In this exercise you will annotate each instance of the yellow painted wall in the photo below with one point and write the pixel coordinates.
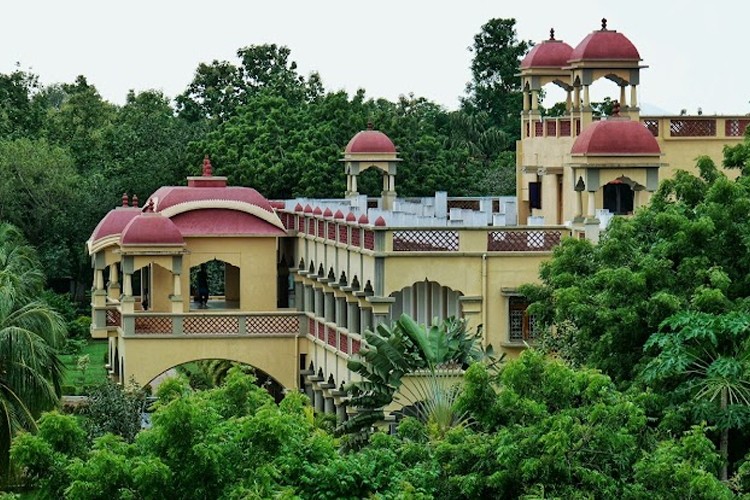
(148, 357)
(162, 285)
(256, 258)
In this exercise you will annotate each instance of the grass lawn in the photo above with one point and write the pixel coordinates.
(95, 373)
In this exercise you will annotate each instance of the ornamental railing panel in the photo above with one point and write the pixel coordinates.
(551, 128)
(463, 204)
(331, 337)
(425, 241)
(538, 129)
(272, 325)
(332, 231)
(523, 240)
(211, 325)
(344, 343)
(356, 237)
(321, 229)
(692, 128)
(343, 234)
(153, 324)
(564, 128)
(356, 346)
(113, 317)
(735, 127)
(369, 240)
(652, 126)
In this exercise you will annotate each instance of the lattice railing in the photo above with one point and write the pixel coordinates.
(463, 204)
(321, 332)
(113, 317)
(153, 324)
(356, 346)
(564, 128)
(356, 237)
(272, 325)
(311, 327)
(213, 325)
(523, 241)
(344, 343)
(369, 240)
(331, 337)
(538, 129)
(652, 126)
(311, 226)
(735, 127)
(425, 241)
(692, 128)
(551, 128)
(332, 231)
(321, 228)
(343, 234)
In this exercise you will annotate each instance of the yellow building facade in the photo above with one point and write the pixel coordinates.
(297, 282)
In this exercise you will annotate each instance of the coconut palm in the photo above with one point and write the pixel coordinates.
(30, 334)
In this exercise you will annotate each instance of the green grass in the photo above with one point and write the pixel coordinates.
(95, 373)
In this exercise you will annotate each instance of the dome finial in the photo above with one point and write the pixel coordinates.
(604, 24)
(135, 200)
(150, 207)
(616, 108)
(370, 126)
(207, 170)
(124, 199)
(552, 33)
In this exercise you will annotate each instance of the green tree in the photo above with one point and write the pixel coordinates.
(494, 87)
(709, 357)
(30, 334)
(21, 113)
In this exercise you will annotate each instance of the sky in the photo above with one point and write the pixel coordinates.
(696, 50)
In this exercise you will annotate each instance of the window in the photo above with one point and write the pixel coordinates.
(618, 198)
(535, 195)
(523, 327)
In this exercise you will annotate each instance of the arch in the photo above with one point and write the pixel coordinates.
(425, 301)
(146, 358)
(263, 379)
(223, 280)
(618, 196)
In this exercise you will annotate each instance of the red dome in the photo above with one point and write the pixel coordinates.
(350, 217)
(338, 215)
(380, 222)
(327, 212)
(616, 136)
(605, 45)
(370, 141)
(151, 229)
(548, 54)
(114, 222)
(363, 219)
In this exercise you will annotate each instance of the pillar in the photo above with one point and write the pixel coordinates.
(113, 290)
(549, 195)
(633, 97)
(526, 99)
(622, 96)
(319, 309)
(318, 402)
(99, 280)
(354, 184)
(534, 100)
(586, 102)
(352, 317)
(569, 102)
(590, 212)
(579, 206)
(576, 98)
(330, 307)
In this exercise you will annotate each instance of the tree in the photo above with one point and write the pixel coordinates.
(30, 334)
(709, 357)
(21, 114)
(391, 353)
(495, 88)
(687, 250)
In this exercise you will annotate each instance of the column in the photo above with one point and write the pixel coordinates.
(352, 317)
(576, 99)
(319, 308)
(622, 96)
(590, 212)
(586, 102)
(526, 100)
(113, 290)
(534, 100)
(330, 307)
(354, 184)
(569, 102)
(633, 97)
(99, 280)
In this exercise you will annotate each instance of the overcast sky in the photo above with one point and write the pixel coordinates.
(697, 50)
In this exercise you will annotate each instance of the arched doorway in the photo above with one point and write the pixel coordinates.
(618, 197)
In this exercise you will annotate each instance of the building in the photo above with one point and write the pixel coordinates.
(301, 280)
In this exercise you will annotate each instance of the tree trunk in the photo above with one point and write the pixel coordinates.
(724, 443)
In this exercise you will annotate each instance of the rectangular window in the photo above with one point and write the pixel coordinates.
(535, 194)
(523, 326)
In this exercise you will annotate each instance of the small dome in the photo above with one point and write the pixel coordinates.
(308, 209)
(327, 212)
(548, 54)
(616, 136)
(338, 215)
(370, 141)
(605, 45)
(363, 219)
(380, 222)
(317, 211)
(298, 208)
(114, 222)
(151, 229)
(350, 217)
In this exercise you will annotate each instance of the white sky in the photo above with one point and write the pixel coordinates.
(697, 50)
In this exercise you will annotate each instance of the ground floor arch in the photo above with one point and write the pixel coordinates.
(144, 358)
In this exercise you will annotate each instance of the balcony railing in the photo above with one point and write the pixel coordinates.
(282, 324)
(687, 127)
(334, 337)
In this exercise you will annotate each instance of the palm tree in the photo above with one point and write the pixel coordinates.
(30, 334)
(392, 352)
(709, 356)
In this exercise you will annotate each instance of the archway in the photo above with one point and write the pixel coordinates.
(222, 281)
(618, 197)
(207, 373)
(426, 301)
